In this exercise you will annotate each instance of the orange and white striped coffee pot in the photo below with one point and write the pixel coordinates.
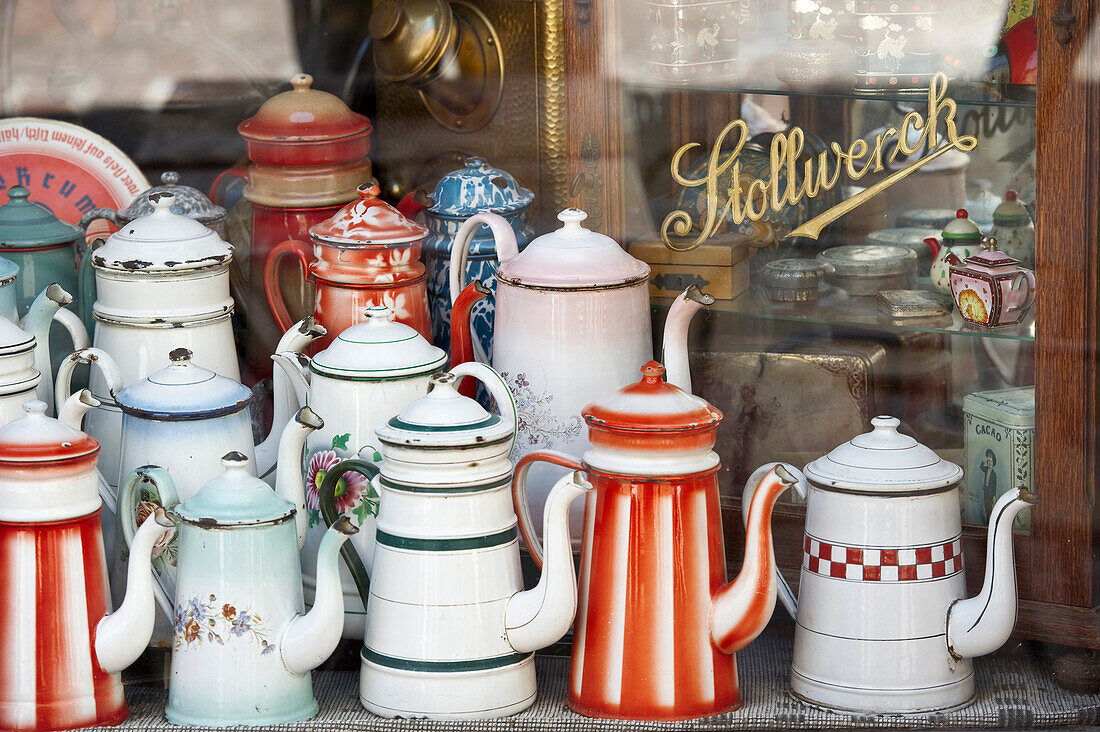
(657, 623)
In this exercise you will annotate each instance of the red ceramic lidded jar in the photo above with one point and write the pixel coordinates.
(309, 154)
(366, 255)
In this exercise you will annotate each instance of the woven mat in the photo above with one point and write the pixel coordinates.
(1015, 691)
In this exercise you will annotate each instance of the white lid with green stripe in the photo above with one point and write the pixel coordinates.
(378, 348)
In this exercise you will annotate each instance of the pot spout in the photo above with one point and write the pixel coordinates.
(675, 343)
(983, 623)
(743, 607)
(123, 635)
(289, 482)
(311, 638)
(286, 395)
(47, 307)
(535, 618)
(933, 244)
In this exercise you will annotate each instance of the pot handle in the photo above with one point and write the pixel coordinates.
(801, 487)
(271, 279)
(330, 513)
(157, 491)
(1027, 277)
(85, 286)
(519, 495)
(498, 389)
(504, 240)
(100, 359)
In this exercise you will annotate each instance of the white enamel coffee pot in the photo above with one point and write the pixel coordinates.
(450, 631)
(882, 623)
(369, 373)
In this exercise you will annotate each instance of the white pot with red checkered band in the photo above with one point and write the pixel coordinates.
(882, 626)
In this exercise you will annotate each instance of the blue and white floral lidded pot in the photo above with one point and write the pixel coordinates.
(476, 188)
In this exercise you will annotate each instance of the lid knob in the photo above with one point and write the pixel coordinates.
(886, 424)
(180, 355)
(962, 214)
(652, 372)
(234, 460)
(572, 218)
(18, 192)
(379, 314)
(35, 406)
(991, 244)
(369, 190)
(1010, 195)
(162, 203)
(170, 178)
(444, 378)
(301, 82)
(474, 163)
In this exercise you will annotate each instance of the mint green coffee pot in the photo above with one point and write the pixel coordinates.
(41, 245)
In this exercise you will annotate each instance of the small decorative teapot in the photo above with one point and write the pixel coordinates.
(243, 645)
(962, 238)
(458, 641)
(369, 373)
(882, 623)
(658, 624)
(991, 289)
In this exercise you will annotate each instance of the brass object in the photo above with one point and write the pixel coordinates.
(816, 177)
(551, 67)
(449, 52)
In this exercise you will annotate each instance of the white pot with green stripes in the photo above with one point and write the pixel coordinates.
(372, 371)
(449, 630)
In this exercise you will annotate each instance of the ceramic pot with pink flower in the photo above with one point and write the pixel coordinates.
(367, 374)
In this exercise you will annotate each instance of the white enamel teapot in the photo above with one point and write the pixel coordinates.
(369, 373)
(458, 641)
(882, 623)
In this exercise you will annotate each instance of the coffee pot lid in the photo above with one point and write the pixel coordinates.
(992, 256)
(162, 241)
(883, 461)
(445, 418)
(13, 339)
(24, 223)
(189, 202)
(1011, 211)
(235, 498)
(9, 270)
(378, 348)
(303, 114)
(652, 405)
(368, 220)
(478, 188)
(182, 391)
(573, 257)
(37, 438)
(961, 227)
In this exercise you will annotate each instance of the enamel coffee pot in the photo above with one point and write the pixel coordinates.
(162, 282)
(53, 672)
(571, 294)
(41, 245)
(243, 644)
(366, 255)
(657, 622)
(882, 623)
(450, 632)
(369, 373)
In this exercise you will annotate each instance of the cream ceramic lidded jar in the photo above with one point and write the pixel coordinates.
(572, 324)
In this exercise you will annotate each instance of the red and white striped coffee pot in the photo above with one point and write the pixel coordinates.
(59, 663)
(657, 623)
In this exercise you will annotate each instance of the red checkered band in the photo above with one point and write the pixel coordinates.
(864, 564)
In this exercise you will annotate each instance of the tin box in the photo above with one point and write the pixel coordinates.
(865, 269)
(999, 435)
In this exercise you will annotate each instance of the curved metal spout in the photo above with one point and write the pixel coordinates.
(75, 407)
(743, 607)
(674, 347)
(47, 307)
(123, 635)
(287, 397)
(535, 618)
(311, 638)
(983, 623)
(289, 481)
(933, 244)
(462, 341)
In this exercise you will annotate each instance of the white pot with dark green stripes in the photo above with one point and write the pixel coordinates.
(450, 632)
(372, 371)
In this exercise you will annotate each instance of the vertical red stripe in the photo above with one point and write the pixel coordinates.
(726, 693)
(109, 699)
(9, 624)
(53, 675)
(597, 640)
(641, 661)
(692, 612)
